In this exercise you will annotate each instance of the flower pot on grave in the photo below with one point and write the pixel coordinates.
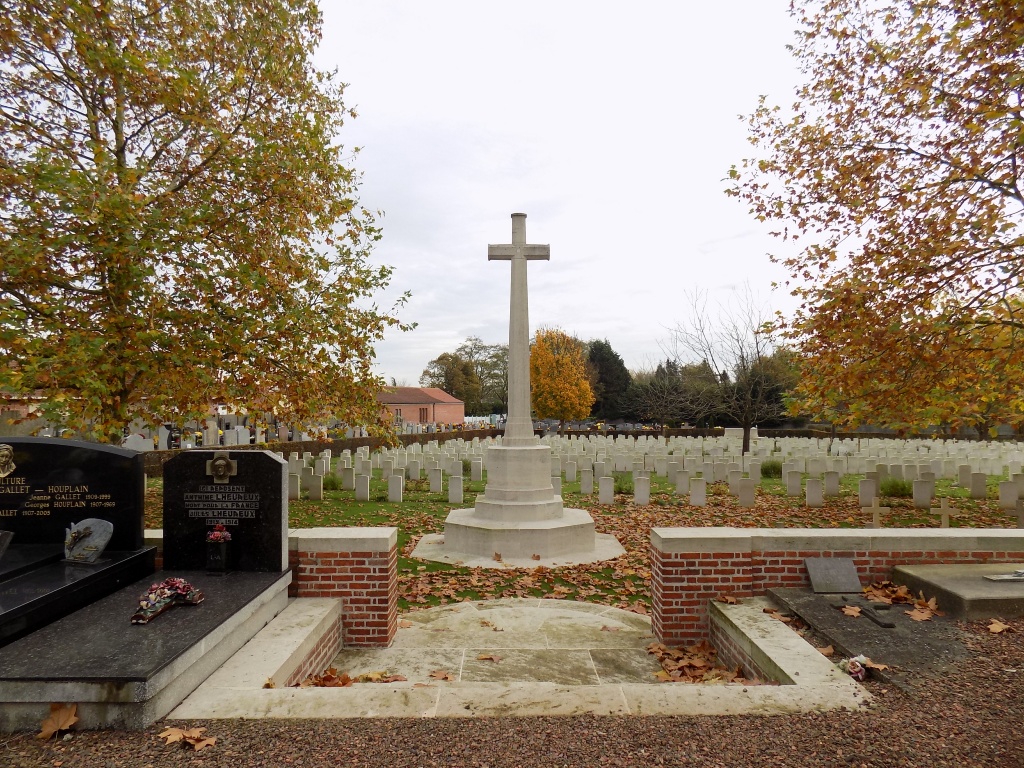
(216, 557)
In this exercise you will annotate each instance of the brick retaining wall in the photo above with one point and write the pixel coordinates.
(690, 566)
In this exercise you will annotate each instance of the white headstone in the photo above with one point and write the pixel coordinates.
(748, 492)
(455, 489)
(642, 491)
(586, 481)
(831, 483)
(979, 490)
(867, 489)
(814, 491)
(793, 483)
(1008, 494)
(362, 487)
(396, 485)
(698, 492)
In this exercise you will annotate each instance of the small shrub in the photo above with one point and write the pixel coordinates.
(897, 487)
(332, 482)
(771, 468)
(467, 468)
(417, 486)
(623, 482)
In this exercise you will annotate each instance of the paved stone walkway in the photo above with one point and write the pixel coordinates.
(534, 641)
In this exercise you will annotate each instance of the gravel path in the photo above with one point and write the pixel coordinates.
(970, 716)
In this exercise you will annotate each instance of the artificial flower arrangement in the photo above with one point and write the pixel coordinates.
(164, 596)
(218, 534)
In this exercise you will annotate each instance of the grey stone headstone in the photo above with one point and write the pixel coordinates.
(832, 575)
(396, 485)
(455, 489)
(642, 491)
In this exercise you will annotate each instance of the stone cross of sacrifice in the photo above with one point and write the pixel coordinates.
(519, 427)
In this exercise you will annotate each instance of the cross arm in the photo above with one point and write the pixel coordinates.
(530, 252)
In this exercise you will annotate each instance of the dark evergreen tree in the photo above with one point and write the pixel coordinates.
(613, 380)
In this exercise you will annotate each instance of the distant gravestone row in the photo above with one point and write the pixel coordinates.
(689, 465)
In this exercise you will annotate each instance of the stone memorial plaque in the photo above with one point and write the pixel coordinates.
(832, 575)
(47, 484)
(85, 541)
(1013, 576)
(245, 491)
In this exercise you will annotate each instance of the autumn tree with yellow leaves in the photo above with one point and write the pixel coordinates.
(897, 172)
(178, 224)
(559, 383)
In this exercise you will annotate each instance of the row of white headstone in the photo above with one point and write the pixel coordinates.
(713, 461)
(689, 477)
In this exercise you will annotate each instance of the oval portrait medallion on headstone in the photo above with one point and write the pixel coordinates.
(6, 460)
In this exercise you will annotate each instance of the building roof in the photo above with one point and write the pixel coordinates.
(415, 396)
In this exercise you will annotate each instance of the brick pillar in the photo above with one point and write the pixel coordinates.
(688, 572)
(359, 567)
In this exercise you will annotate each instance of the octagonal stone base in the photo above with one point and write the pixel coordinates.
(473, 541)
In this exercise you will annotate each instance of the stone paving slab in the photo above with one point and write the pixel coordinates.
(566, 680)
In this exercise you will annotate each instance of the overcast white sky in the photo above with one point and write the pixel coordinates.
(611, 125)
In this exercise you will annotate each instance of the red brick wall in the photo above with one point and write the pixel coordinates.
(318, 659)
(449, 413)
(682, 583)
(732, 655)
(365, 582)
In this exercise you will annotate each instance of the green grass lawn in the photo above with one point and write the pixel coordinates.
(624, 582)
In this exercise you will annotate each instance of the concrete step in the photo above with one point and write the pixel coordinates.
(963, 592)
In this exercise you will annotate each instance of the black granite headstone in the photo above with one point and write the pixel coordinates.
(46, 486)
(53, 483)
(245, 491)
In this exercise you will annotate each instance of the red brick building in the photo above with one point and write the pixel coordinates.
(422, 405)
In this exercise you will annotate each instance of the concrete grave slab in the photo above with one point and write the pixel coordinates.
(962, 590)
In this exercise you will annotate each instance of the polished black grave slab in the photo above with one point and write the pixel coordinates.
(99, 642)
(46, 588)
(20, 558)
